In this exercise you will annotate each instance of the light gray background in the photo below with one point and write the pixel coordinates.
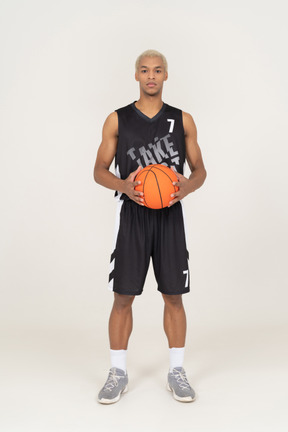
(65, 65)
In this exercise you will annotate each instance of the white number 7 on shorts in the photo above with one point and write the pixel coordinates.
(187, 277)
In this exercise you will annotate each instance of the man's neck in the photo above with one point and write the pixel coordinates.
(149, 105)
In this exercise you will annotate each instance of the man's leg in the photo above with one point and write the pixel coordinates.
(175, 329)
(128, 268)
(174, 320)
(121, 321)
(120, 328)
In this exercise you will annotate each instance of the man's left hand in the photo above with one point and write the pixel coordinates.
(184, 185)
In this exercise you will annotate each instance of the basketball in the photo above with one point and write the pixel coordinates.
(156, 184)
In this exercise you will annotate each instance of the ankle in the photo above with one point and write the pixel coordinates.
(118, 358)
(176, 357)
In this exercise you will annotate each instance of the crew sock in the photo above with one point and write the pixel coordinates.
(118, 359)
(176, 356)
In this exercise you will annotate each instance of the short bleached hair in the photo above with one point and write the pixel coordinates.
(151, 53)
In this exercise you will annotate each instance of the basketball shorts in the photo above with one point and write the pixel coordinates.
(142, 233)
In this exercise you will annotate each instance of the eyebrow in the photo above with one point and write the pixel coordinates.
(156, 67)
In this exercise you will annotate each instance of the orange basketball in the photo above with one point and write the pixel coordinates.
(156, 184)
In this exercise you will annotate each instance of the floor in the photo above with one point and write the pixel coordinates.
(50, 379)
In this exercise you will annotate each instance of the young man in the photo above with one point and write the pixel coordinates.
(145, 132)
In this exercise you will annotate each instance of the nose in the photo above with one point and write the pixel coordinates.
(151, 74)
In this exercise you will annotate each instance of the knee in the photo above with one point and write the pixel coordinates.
(122, 302)
(173, 301)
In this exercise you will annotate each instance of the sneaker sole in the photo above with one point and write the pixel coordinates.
(178, 398)
(116, 399)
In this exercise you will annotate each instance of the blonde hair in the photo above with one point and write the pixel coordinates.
(151, 53)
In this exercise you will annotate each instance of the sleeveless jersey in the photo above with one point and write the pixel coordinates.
(145, 141)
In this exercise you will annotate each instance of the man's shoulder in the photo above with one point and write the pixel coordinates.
(124, 108)
(185, 115)
(172, 108)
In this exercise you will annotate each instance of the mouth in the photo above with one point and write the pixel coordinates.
(151, 84)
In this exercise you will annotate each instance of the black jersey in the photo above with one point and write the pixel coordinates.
(145, 141)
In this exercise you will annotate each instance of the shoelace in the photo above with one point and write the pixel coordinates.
(112, 380)
(181, 379)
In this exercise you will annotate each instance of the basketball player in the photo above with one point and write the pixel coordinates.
(148, 131)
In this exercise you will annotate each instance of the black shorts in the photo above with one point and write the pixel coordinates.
(142, 233)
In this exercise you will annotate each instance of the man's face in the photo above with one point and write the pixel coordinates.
(151, 75)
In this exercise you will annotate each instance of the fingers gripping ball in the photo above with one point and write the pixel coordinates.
(156, 184)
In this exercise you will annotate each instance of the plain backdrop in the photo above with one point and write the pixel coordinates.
(65, 65)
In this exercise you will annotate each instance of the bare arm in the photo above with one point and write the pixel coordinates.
(105, 156)
(194, 159)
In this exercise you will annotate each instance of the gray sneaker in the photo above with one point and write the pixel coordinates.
(116, 384)
(179, 385)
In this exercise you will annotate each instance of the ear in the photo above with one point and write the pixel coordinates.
(166, 76)
(136, 76)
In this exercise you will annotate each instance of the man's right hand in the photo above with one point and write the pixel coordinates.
(129, 187)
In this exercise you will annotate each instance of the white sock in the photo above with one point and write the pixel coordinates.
(118, 359)
(176, 356)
